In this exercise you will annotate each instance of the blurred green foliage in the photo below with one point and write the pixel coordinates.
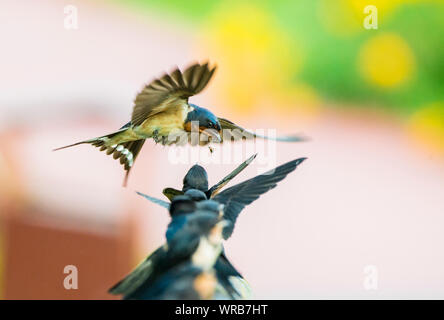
(332, 37)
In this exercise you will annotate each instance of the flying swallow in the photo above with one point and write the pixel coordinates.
(163, 113)
(237, 197)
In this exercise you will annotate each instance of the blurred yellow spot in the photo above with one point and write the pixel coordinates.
(256, 56)
(386, 60)
(339, 18)
(427, 127)
(383, 6)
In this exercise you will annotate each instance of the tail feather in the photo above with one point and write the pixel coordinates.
(126, 152)
(97, 142)
(128, 158)
(71, 145)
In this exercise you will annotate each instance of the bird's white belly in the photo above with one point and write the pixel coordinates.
(206, 254)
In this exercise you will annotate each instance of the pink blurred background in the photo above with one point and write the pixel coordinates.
(370, 193)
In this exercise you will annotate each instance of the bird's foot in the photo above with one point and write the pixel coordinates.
(156, 135)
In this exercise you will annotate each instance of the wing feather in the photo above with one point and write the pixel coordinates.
(139, 275)
(233, 132)
(215, 189)
(155, 200)
(237, 197)
(170, 90)
(170, 193)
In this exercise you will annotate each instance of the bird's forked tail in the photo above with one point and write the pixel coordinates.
(126, 152)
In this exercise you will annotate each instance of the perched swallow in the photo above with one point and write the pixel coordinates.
(237, 197)
(197, 244)
(197, 179)
(162, 112)
(233, 200)
(181, 210)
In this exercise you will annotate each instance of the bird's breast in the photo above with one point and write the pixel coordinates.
(164, 124)
(168, 127)
(206, 254)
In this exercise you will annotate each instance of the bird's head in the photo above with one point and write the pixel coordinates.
(196, 178)
(203, 121)
(182, 205)
(196, 195)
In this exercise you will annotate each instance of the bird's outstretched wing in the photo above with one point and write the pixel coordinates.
(170, 91)
(155, 200)
(161, 260)
(215, 189)
(139, 275)
(233, 132)
(237, 197)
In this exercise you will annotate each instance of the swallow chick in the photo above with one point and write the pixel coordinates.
(196, 277)
(237, 197)
(183, 210)
(190, 256)
(197, 179)
(162, 112)
(227, 204)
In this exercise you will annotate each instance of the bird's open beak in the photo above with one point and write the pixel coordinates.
(211, 133)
